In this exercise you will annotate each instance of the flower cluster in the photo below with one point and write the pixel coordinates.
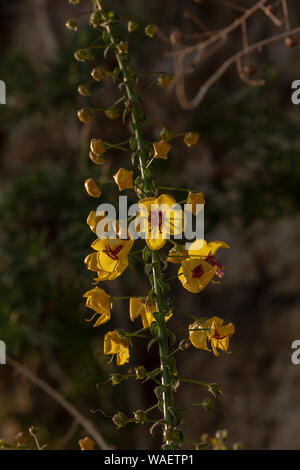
(161, 220)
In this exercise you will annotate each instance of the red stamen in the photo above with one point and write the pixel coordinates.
(113, 252)
(198, 271)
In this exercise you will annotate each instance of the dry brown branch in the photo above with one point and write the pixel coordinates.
(82, 420)
(191, 104)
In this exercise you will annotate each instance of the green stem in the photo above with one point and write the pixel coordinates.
(122, 61)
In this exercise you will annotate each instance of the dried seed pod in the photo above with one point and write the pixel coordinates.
(290, 42)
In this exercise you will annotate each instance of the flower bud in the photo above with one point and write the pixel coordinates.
(116, 379)
(150, 30)
(132, 26)
(96, 18)
(80, 55)
(97, 147)
(184, 344)
(140, 416)
(123, 47)
(86, 443)
(84, 115)
(208, 404)
(120, 419)
(84, 90)
(112, 113)
(72, 24)
(96, 159)
(191, 138)
(165, 80)
(92, 188)
(167, 134)
(140, 372)
(97, 73)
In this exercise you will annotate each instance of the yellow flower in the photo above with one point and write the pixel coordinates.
(211, 330)
(99, 301)
(138, 307)
(115, 344)
(86, 443)
(194, 199)
(97, 147)
(93, 219)
(191, 138)
(84, 115)
(177, 254)
(110, 259)
(161, 149)
(200, 267)
(159, 219)
(124, 179)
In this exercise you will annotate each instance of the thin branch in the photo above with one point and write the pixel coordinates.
(84, 422)
(191, 104)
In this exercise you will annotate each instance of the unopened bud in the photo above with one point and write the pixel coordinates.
(96, 19)
(120, 419)
(96, 159)
(84, 115)
(97, 73)
(116, 379)
(191, 138)
(84, 90)
(72, 24)
(184, 344)
(140, 372)
(97, 147)
(92, 188)
(112, 113)
(86, 443)
(132, 26)
(123, 47)
(150, 30)
(165, 80)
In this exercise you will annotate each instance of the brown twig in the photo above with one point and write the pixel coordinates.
(84, 422)
(191, 104)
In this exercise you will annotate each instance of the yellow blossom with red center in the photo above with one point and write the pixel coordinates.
(114, 343)
(196, 199)
(211, 330)
(139, 307)
(99, 301)
(159, 218)
(110, 259)
(191, 138)
(124, 179)
(161, 149)
(200, 267)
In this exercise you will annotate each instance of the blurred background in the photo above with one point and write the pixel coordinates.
(247, 164)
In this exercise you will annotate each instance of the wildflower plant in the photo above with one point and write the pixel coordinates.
(160, 218)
